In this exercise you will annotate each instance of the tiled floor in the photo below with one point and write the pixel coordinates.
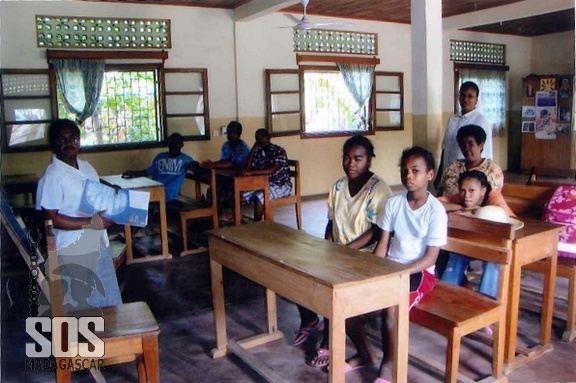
(178, 292)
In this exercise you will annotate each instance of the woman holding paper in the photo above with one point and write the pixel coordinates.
(80, 240)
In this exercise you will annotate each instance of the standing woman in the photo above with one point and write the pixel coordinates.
(355, 204)
(58, 196)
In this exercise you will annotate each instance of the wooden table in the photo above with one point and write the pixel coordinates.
(156, 190)
(241, 184)
(334, 281)
(537, 240)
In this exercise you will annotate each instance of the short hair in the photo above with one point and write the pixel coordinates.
(417, 151)
(470, 84)
(359, 140)
(236, 126)
(57, 126)
(262, 132)
(481, 177)
(176, 136)
(475, 131)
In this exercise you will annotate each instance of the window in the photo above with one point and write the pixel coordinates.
(139, 105)
(128, 109)
(314, 101)
(491, 81)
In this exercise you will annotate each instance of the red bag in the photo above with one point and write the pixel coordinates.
(561, 209)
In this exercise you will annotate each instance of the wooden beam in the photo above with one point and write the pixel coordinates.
(52, 54)
(337, 59)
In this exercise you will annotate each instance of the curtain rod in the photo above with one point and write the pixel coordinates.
(52, 54)
(337, 59)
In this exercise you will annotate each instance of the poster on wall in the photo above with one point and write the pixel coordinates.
(546, 98)
(528, 111)
(545, 128)
(564, 114)
(528, 126)
(565, 89)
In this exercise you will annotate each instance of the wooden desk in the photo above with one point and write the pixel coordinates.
(156, 190)
(537, 240)
(241, 184)
(334, 281)
(22, 184)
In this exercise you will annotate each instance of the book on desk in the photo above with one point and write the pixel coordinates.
(123, 206)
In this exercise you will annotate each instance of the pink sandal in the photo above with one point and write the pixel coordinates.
(381, 380)
(305, 332)
(321, 359)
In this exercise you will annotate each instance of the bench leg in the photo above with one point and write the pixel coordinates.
(141, 368)
(150, 353)
(298, 215)
(499, 337)
(184, 229)
(570, 332)
(452, 357)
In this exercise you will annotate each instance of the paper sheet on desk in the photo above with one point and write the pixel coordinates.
(126, 207)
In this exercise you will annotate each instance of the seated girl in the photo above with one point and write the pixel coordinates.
(474, 192)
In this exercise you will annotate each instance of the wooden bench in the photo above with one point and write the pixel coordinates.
(529, 201)
(455, 311)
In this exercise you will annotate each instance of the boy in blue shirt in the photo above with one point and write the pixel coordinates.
(234, 152)
(168, 167)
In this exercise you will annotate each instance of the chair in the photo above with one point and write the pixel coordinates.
(131, 331)
(189, 208)
(552, 176)
(454, 311)
(294, 197)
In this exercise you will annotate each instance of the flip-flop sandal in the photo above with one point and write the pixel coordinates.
(350, 368)
(381, 380)
(321, 359)
(305, 332)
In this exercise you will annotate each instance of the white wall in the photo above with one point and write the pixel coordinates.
(553, 54)
(236, 55)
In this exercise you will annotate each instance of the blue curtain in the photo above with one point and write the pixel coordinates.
(80, 83)
(359, 79)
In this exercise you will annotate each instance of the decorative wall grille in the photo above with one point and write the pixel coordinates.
(102, 33)
(318, 40)
(470, 51)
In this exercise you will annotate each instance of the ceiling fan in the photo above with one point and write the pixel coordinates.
(304, 23)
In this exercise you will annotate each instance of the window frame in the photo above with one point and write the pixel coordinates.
(52, 96)
(400, 92)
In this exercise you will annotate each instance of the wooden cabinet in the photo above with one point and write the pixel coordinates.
(548, 139)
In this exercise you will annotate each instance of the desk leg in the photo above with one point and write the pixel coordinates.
(237, 206)
(268, 209)
(163, 228)
(272, 313)
(548, 298)
(128, 239)
(219, 311)
(512, 315)
(401, 353)
(337, 346)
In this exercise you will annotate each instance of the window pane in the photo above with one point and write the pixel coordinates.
(329, 106)
(286, 122)
(388, 119)
(285, 102)
(192, 103)
(127, 111)
(389, 83)
(184, 82)
(27, 134)
(284, 82)
(186, 125)
(25, 85)
(28, 110)
(387, 101)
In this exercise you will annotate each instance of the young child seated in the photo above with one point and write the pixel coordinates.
(474, 192)
(419, 224)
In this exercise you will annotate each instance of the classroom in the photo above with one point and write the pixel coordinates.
(236, 52)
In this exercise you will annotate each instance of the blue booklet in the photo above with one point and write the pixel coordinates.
(123, 206)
